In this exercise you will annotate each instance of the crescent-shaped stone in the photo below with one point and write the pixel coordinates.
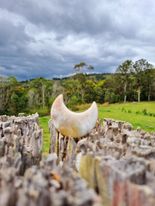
(73, 124)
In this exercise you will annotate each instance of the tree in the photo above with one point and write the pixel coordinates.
(81, 65)
(90, 93)
(90, 67)
(140, 67)
(18, 100)
(78, 67)
(81, 77)
(12, 80)
(40, 85)
(149, 81)
(112, 89)
(124, 71)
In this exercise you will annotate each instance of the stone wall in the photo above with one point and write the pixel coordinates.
(45, 185)
(20, 142)
(117, 161)
(28, 178)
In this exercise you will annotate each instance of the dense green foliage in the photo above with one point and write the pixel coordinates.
(131, 82)
(138, 114)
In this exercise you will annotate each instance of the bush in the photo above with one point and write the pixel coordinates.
(73, 102)
(151, 114)
(111, 97)
(41, 111)
(144, 111)
(122, 109)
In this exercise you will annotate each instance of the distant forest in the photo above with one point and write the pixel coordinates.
(132, 81)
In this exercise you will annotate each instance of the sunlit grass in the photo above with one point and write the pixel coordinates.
(46, 134)
(138, 114)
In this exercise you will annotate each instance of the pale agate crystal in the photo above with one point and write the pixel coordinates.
(73, 124)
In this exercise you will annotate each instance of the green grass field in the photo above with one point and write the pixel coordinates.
(46, 134)
(138, 114)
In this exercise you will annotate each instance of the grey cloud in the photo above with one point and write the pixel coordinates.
(46, 38)
(90, 16)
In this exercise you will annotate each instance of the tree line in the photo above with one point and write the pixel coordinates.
(132, 81)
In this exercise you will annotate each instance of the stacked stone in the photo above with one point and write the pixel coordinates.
(121, 164)
(45, 185)
(26, 178)
(20, 142)
(117, 161)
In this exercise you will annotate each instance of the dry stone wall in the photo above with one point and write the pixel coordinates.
(112, 166)
(20, 142)
(45, 185)
(28, 178)
(117, 161)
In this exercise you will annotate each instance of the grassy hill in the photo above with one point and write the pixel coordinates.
(138, 114)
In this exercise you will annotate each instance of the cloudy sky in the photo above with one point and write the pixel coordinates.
(47, 37)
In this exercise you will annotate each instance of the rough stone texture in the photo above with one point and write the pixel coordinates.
(20, 142)
(45, 185)
(64, 147)
(118, 162)
(27, 178)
